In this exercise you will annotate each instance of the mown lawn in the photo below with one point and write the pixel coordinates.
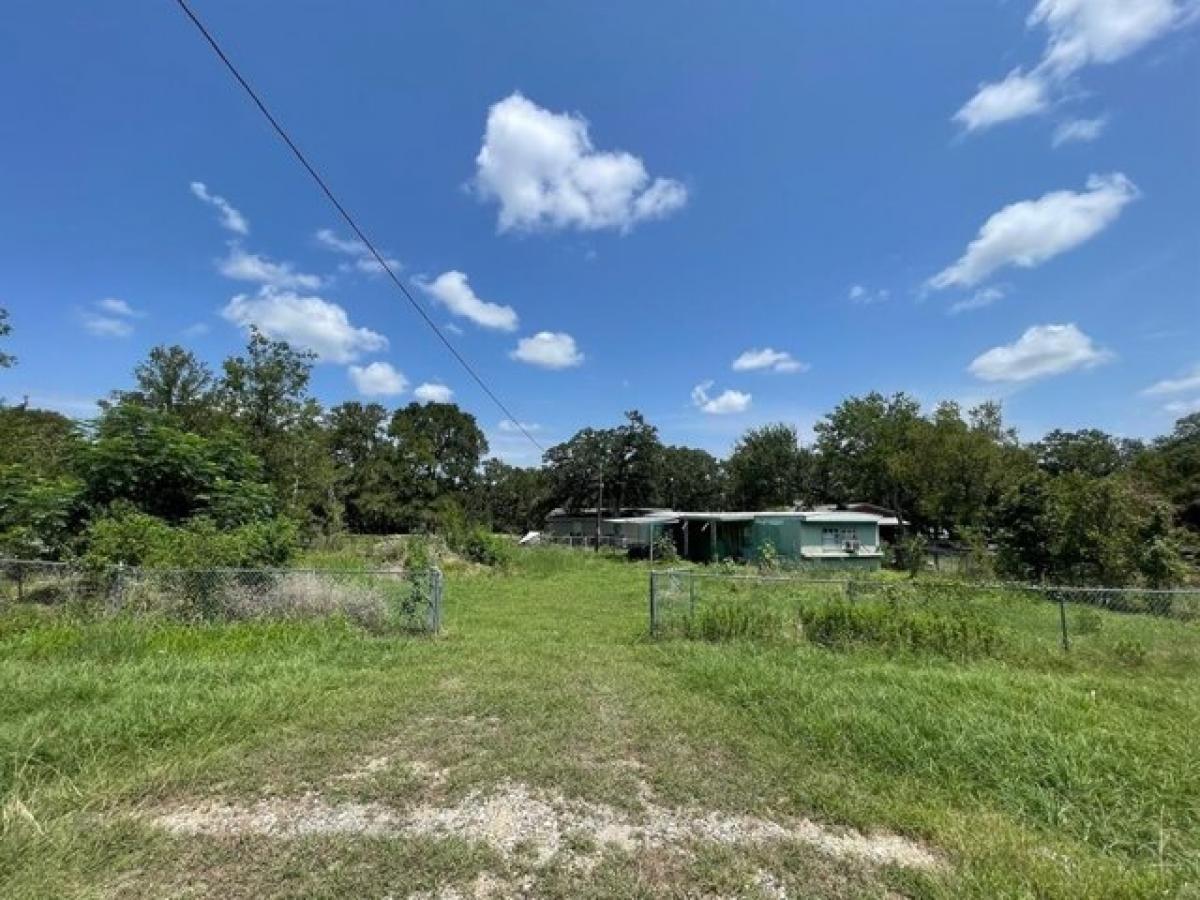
(1039, 776)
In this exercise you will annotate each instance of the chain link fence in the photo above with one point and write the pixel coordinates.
(982, 616)
(586, 541)
(379, 600)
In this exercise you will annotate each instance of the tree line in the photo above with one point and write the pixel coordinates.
(240, 465)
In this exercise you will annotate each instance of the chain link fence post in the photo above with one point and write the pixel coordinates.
(1062, 619)
(116, 591)
(435, 600)
(653, 607)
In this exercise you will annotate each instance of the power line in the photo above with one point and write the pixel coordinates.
(379, 258)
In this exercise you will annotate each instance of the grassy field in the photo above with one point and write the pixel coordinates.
(529, 749)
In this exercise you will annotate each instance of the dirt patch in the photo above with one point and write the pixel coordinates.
(280, 817)
(518, 821)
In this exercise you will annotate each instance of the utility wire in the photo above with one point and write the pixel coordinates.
(325, 189)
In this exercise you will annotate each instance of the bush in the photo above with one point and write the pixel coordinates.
(736, 619)
(911, 554)
(481, 546)
(665, 550)
(133, 538)
(768, 557)
(957, 632)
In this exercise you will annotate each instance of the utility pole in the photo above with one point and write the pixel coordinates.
(599, 508)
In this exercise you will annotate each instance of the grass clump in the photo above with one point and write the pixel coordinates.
(956, 632)
(734, 619)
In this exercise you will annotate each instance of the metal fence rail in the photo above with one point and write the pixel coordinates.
(587, 541)
(379, 600)
(1036, 615)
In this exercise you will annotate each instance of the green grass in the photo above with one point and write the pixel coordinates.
(1034, 772)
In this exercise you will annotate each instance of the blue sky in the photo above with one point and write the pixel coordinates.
(610, 206)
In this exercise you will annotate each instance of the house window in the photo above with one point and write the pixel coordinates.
(837, 538)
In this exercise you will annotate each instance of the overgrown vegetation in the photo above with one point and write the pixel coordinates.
(959, 632)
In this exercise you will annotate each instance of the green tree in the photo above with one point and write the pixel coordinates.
(43, 441)
(173, 380)
(1172, 465)
(691, 479)
(143, 459)
(437, 453)
(1089, 451)
(6, 360)
(577, 467)
(39, 513)
(766, 468)
(511, 498)
(1082, 530)
(265, 393)
(869, 448)
(363, 461)
(1160, 561)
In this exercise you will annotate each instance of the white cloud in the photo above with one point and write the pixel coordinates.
(511, 427)
(860, 295)
(978, 300)
(1078, 130)
(378, 379)
(106, 326)
(1027, 233)
(361, 258)
(231, 219)
(117, 307)
(197, 329)
(1042, 350)
(243, 266)
(1079, 33)
(548, 349)
(543, 170)
(452, 291)
(433, 393)
(1084, 32)
(726, 402)
(110, 317)
(1183, 407)
(775, 360)
(311, 323)
(1189, 381)
(1018, 95)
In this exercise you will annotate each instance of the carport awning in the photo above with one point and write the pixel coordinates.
(644, 520)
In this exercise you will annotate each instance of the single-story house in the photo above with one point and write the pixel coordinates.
(826, 538)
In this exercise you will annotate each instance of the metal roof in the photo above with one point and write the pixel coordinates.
(719, 516)
(654, 519)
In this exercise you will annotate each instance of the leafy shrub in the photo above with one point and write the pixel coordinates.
(481, 546)
(665, 550)
(911, 554)
(768, 557)
(957, 632)
(134, 538)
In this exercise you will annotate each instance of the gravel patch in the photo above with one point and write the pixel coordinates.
(514, 818)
